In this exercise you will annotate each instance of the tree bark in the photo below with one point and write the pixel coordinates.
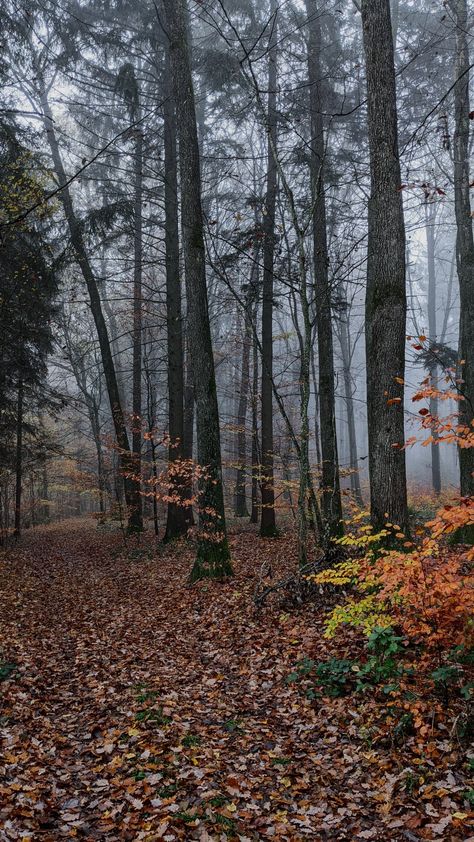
(45, 518)
(136, 519)
(267, 517)
(255, 442)
(213, 557)
(18, 462)
(464, 239)
(317, 433)
(430, 216)
(240, 493)
(178, 518)
(331, 493)
(395, 15)
(114, 333)
(188, 443)
(93, 411)
(386, 305)
(344, 339)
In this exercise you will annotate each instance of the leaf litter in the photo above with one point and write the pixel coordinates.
(138, 708)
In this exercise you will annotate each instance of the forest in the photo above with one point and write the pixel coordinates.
(236, 420)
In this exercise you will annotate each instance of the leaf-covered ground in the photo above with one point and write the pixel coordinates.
(139, 708)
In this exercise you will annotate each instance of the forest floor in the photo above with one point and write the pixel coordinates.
(137, 707)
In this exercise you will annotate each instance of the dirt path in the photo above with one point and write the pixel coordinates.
(142, 709)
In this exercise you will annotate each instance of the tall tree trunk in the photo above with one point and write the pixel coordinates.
(136, 519)
(18, 461)
(178, 514)
(395, 14)
(188, 450)
(154, 468)
(430, 216)
(45, 518)
(213, 556)
(125, 455)
(464, 238)
(240, 494)
(113, 331)
(101, 478)
(256, 468)
(305, 393)
(188, 447)
(93, 411)
(317, 432)
(32, 503)
(344, 338)
(386, 305)
(151, 422)
(267, 519)
(331, 500)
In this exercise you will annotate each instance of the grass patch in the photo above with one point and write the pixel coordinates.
(6, 670)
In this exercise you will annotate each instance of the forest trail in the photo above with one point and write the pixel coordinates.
(144, 709)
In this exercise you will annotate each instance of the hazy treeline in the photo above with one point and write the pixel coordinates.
(220, 221)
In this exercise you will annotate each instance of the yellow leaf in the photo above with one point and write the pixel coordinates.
(460, 816)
